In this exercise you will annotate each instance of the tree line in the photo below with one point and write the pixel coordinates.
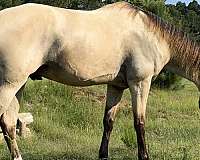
(186, 17)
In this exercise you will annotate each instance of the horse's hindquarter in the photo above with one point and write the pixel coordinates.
(24, 38)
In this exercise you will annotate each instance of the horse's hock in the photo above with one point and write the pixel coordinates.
(24, 119)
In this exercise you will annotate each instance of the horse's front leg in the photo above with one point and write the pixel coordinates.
(113, 97)
(139, 93)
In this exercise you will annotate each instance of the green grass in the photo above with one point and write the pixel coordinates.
(68, 124)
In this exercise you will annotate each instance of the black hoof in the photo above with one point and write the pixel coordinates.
(103, 157)
(143, 157)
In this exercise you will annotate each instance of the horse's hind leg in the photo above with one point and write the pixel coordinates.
(139, 93)
(9, 107)
(8, 124)
(114, 95)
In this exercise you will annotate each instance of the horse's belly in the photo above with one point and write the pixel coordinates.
(78, 77)
(70, 79)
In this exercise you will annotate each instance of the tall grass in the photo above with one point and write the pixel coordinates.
(68, 124)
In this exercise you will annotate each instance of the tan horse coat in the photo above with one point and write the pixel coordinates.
(115, 45)
(88, 46)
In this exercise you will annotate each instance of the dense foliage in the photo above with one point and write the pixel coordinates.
(185, 17)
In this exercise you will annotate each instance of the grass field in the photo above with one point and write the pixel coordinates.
(68, 124)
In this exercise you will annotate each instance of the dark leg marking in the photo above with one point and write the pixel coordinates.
(140, 131)
(113, 97)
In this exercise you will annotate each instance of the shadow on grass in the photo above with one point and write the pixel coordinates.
(51, 156)
(116, 154)
(123, 154)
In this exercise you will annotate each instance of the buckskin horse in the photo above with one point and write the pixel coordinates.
(119, 45)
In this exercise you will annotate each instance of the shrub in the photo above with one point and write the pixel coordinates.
(167, 79)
